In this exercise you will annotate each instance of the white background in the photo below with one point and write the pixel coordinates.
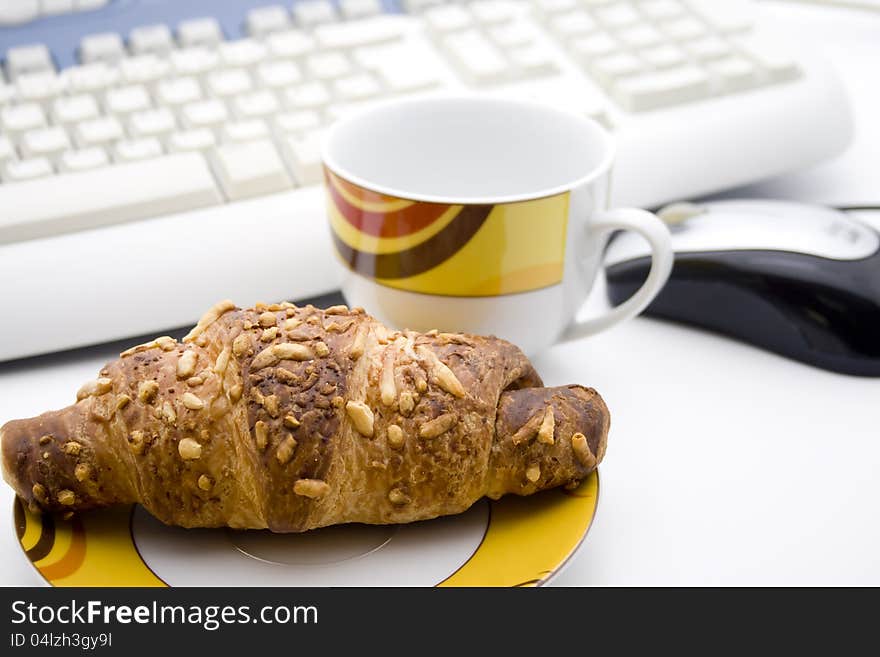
(726, 464)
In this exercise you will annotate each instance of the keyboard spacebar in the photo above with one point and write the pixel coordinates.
(111, 195)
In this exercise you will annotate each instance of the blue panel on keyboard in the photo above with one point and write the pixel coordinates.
(62, 34)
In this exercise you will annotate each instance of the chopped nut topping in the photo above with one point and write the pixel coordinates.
(241, 344)
(529, 429)
(321, 349)
(438, 426)
(45, 440)
(222, 362)
(292, 352)
(192, 402)
(205, 482)
(387, 388)
(201, 340)
(395, 436)
(136, 442)
(407, 402)
(361, 417)
(533, 472)
(82, 471)
(194, 381)
(219, 407)
(209, 318)
(122, 401)
(270, 403)
(444, 376)
(265, 358)
(66, 497)
(72, 448)
(147, 391)
(261, 433)
(290, 422)
(360, 341)
(338, 327)
(166, 343)
(137, 348)
(189, 449)
(398, 497)
(235, 393)
(311, 488)
(572, 485)
(548, 426)
(285, 449)
(421, 384)
(186, 364)
(290, 324)
(168, 413)
(581, 450)
(267, 319)
(45, 455)
(337, 310)
(269, 334)
(39, 492)
(97, 387)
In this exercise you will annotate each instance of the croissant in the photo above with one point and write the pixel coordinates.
(291, 418)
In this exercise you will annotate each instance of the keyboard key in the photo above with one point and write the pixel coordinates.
(308, 13)
(610, 68)
(90, 77)
(28, 59)
(7, 93)
(143, 69)
(242, 53)
(710, 47)
(311, 95)
(681, 29)
(491, 12)
(586, 49)
(617, 15)
(204, 32)
(345, 36)
(207, 113)
(72, 202)
(303, 157)
(448, 18)
(357, 87)
(178, 91)
(16, 12)
(248, 130)
(44, 142)
(326, 66)
(476, 58)
(640, 36)
(128, 99)
(154, 39)
(661, 88)
(512, 35)
(533, 61)
(547, 8)
(17, 119)
(735, 73)
(106, 47)
(19, 170)
(230, 82)
(661, 9)
(572, 24)
(265, 20)
(250, 169)
(297, 122)
(418, 6)
(355, 9)
(291, 43)
(663, 56)
(83, 159)
(255, 105)
(194, 60)
(73, 109)
(130, 150)
(399, 69)
(153, 123)
(276, 74)
(39, 87)
(98, 132)
(770, 56)
(198, 139)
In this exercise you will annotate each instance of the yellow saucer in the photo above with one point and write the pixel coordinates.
(515, 541)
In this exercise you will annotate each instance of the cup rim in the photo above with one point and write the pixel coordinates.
(598, 130)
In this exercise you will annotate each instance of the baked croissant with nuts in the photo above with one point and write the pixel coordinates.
(294, 418)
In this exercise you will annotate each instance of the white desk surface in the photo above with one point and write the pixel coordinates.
(726, 465)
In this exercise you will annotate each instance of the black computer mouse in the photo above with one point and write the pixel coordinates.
(800, 280)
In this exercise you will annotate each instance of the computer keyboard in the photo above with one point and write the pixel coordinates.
(206, 119)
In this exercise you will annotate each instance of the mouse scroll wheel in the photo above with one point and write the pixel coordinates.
(677, 213)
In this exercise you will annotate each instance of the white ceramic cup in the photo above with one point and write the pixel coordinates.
(480, 215)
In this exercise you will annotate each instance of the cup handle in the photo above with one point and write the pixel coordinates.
(652, 229)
